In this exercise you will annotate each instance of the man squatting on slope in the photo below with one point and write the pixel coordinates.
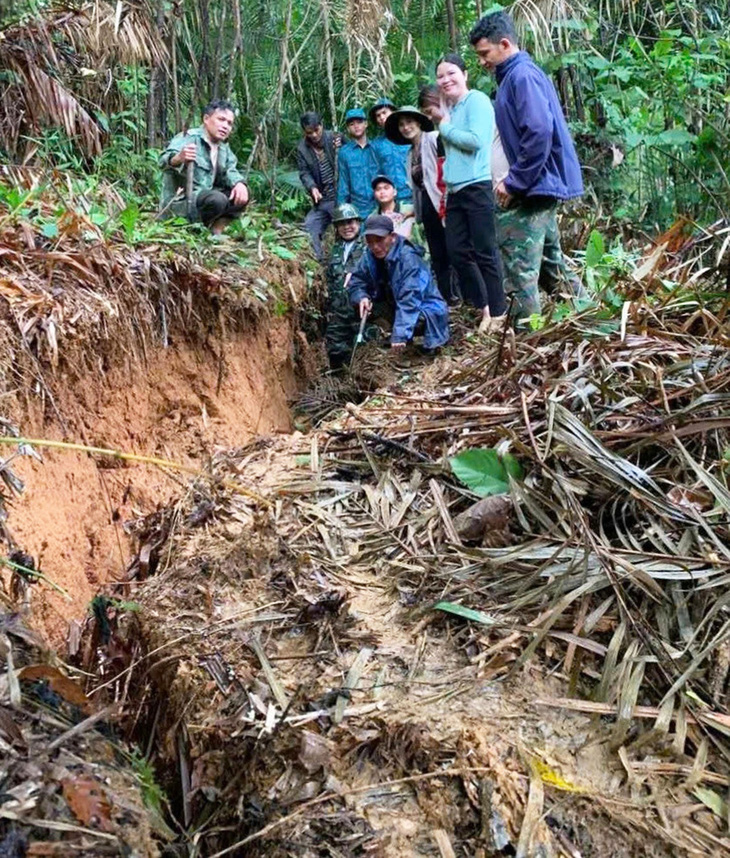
(219, 191)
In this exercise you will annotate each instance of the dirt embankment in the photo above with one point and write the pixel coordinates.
(179, 402)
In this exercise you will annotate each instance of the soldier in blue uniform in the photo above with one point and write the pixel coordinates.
(392, 155)
(358, 164)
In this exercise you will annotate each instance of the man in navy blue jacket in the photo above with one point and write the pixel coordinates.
(543, 166)
(393, 271)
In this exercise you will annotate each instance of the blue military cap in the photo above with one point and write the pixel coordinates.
(381, 102)
(354, 113)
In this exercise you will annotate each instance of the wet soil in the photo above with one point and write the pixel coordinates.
(184, 403)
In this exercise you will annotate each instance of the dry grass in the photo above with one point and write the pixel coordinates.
(56, 60)
(84, 299)
(306, 667)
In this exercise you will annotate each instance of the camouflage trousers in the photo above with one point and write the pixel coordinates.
(342, 328)
(529, 244)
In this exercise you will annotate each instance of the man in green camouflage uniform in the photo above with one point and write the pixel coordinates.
(529, 242)
(220, 193)
(342, 321)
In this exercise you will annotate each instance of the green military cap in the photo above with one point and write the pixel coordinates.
(345, 212)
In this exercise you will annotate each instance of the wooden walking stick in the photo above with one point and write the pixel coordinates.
(189, 176)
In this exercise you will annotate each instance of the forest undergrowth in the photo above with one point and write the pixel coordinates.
(469, 608)
(481, 611)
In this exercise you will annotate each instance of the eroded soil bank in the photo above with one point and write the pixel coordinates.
(180, 402)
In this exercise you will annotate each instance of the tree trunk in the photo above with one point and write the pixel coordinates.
(280, 97)
(173, 75)
(155, 96)
(202, 79)
(329, 62)
(218, 55)
(580, 110)
(153, 106)
(237, 46)
(451, 18)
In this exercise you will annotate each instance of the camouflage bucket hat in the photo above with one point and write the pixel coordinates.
(345, 212)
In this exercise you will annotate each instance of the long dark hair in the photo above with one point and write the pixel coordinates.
(454, 59)
(428, 95)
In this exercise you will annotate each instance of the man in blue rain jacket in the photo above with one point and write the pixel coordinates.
(393, 270)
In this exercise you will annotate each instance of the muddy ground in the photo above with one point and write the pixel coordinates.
(294, 696)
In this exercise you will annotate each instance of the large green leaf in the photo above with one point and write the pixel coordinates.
(485, 472)
(595, 249)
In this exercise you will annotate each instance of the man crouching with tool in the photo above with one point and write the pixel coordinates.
(393, 271)
(200, 180)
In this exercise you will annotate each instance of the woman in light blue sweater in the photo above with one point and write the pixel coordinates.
(466, 124)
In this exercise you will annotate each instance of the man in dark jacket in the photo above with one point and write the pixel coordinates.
(543, 165)
(317, 165)
(393, 268)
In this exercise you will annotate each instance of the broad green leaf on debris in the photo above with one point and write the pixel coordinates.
(282, 252)
(595, 249)
(485, 472)
(711, 799)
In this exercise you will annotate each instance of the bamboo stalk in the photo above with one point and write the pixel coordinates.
(280, 95)
(173, 75)
(328, 61)
(130, 457)
(237, 46)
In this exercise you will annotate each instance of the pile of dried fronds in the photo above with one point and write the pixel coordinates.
(59, 65)
(288, 720)
(73, 293)
(314, 655)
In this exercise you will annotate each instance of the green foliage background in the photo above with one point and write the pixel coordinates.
(646, 89)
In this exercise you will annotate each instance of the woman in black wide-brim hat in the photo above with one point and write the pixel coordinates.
(408, 126)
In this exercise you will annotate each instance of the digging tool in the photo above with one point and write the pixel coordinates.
(189, 176)
(360, 338)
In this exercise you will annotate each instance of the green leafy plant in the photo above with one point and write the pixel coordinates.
(604, 267)
(485, 472)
